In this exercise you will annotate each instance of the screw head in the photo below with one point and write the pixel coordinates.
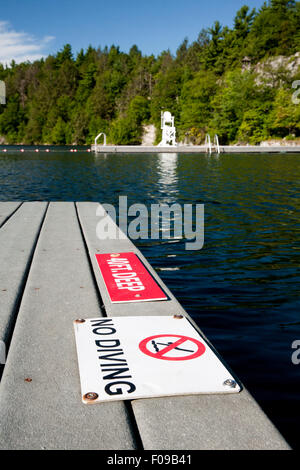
(91, 396)
(114, 255)
(80, 320)
(230, 383)
(178, 317)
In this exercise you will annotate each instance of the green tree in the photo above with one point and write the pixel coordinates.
(253, 127)
(62, 99)
(59, 132)
(196, 108)
(285, 117)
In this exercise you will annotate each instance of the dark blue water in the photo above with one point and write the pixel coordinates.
(242, 288)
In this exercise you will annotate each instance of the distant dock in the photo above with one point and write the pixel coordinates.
(193, 149)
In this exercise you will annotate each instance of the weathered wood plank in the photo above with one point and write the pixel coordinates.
(46, 412)
(191, 422)
(206, 422)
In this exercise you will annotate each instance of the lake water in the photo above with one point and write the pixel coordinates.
(242, 288)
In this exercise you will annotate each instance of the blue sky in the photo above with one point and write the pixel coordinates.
(30, 29)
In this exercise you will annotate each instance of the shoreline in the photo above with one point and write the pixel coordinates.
(152, 148)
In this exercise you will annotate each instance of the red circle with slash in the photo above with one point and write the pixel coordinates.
(180, 341)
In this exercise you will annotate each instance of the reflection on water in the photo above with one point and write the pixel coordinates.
(242, 288)
(167, 174)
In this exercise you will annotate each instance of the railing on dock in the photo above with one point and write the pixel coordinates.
(216, 143)
(96, 139)
(210, 147)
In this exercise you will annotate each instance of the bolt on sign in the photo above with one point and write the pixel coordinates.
(127, 279)
(124, 358)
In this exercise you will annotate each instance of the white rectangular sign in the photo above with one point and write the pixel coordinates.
(124, 358)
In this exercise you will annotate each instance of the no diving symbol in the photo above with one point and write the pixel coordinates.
(167, 348)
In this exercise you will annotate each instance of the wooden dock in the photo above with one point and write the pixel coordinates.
(49, 278)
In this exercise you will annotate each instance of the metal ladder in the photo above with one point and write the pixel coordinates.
(96, 138)
(212, 147)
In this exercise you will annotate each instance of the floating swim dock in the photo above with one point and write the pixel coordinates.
(193, 149)
(49, 277)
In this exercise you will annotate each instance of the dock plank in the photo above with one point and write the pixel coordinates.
(190, 422)
(46, 412)
(17, 241)
(6, 209)
(206, 422)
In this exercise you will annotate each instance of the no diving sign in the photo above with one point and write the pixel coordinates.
(125, 358)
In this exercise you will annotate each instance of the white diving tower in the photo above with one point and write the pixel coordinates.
(168, 130)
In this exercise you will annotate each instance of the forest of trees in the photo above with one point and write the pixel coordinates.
(208, 85)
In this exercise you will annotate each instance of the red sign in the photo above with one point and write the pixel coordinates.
(127, 279)
(181, 349)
